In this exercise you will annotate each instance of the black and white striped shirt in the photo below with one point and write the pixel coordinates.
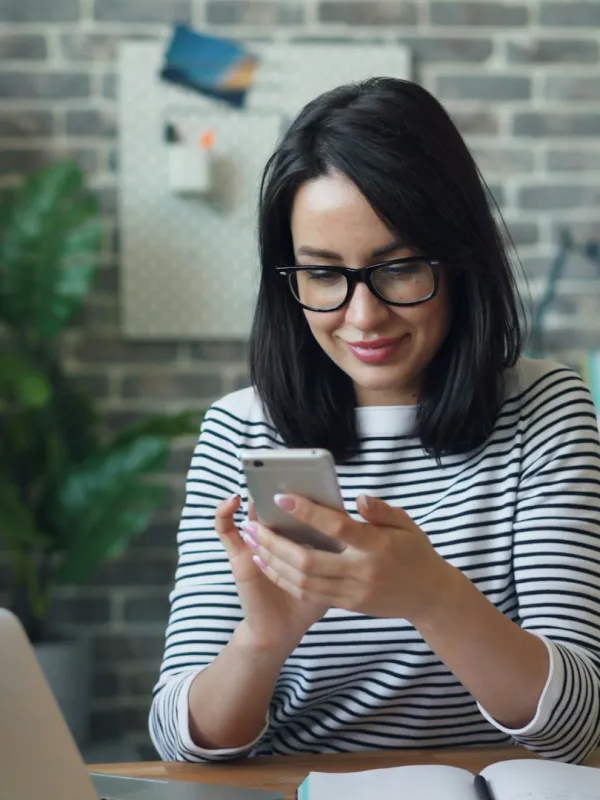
(520, 517)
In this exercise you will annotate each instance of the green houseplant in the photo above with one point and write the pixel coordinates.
(70, 496)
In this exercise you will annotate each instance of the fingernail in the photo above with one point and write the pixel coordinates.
(285, 502)
(259, 562)
(250, 534)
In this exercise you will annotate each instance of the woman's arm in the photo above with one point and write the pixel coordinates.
(213, 692)
(556, 563)
(229, 701)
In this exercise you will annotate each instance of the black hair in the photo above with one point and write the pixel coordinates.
(398, 145)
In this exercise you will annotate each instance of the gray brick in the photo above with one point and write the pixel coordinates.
(483, 87)
(23, 48)
(110, 86)
(570, 338)
(573, 87)
(107, 198)
(523, 232)
(147, 608)
(254, 12)
(368, 12)
(158, 534)
(89, 46)
(496, 194)
(117, 421)
(219, 351)
(570, 13)
(140, 682)
(503, 159)
(241, 381)
(118, 351)
(552, 51)
(118, 647)
(26, 123)
(547, 197)
(92, 122)
(551, 123)
(24, 162)
(149, 571)
(436, 49)
(180, 458)
(583, 160)
(581, 230)
(146, 749)
(168, 385)
(142, 11)
(93, 386)
(100, 311)
(475, 122)
(449, 12)
(108, 724)
(44, 85)
(39, 10)
(107, 280)
(80, 610)
(104, 685)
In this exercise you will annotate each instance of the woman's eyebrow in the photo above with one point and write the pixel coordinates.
(317, 253)
(305, 250)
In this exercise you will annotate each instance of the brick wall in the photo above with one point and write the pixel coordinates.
(522, 79)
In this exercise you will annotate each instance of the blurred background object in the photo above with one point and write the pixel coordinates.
(520, 78)
(71, 496)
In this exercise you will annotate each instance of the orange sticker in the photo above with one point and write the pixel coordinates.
(207, 140)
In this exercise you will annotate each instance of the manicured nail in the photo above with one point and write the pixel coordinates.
(285, 502)
(250, 535)
(259, 562)
(364, 501)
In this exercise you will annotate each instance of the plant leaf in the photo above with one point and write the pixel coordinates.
(186, 422)
(49, 244)
(83, 556)
(17, 525)
(103, 502)
(27, 385)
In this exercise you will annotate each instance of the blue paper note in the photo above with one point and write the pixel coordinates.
(212, 66)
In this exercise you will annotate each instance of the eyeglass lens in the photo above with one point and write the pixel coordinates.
(325, 289)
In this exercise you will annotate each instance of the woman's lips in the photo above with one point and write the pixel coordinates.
(377, 352)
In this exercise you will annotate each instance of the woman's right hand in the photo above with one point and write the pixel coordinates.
(274, 619)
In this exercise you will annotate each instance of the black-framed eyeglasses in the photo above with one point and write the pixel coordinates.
(401, 282)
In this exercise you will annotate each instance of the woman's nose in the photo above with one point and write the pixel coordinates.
(365, 311)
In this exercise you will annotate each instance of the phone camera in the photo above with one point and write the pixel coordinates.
(259, 463)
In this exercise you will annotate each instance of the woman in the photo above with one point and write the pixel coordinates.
(465, 607)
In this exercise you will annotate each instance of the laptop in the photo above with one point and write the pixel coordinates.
(38, 756)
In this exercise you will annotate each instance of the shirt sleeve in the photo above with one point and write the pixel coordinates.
(556, 562)
(204, 604)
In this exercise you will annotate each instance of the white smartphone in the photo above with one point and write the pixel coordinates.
(305, 472)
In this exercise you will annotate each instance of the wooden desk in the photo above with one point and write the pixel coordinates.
(285, 773)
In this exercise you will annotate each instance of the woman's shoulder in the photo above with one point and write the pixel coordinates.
(243, 405)
(541, 382)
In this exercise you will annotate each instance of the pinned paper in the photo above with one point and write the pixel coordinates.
(207, 140)
(212, 66)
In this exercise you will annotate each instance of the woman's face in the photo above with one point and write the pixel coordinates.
(333, 225)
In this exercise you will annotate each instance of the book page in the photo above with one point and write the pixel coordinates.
(542, 780)
(397, 783)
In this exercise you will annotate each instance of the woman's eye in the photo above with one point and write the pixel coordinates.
(322, 275)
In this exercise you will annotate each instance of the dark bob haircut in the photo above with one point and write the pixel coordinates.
(398, 145)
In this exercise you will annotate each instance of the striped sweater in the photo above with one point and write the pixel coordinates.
(520, 516)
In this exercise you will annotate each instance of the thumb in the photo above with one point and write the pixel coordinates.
(378, 512)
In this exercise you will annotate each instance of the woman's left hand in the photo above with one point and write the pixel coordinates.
(388, 567)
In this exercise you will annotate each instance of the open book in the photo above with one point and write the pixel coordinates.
(522, 779)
